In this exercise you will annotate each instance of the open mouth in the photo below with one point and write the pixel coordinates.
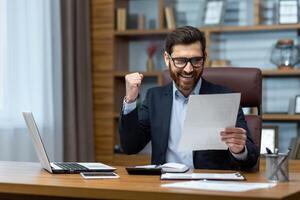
(186, 76)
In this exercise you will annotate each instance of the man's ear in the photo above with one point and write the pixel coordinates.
(166, 58)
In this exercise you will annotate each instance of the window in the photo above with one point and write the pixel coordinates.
(2, 50)
(29, 77)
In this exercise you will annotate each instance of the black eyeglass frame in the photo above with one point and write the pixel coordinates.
(187, 60)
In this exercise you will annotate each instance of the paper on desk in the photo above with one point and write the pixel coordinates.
(206, 117)
(146, 166)
(227, 186)
(197, 176)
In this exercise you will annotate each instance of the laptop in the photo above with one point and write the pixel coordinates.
(59, 167)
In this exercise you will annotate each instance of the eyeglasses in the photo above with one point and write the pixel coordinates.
(181, 62)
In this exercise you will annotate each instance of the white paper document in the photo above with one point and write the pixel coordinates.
(227, 186)
(207, 176)
(206, 117)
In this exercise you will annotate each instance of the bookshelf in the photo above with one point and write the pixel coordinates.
(133, 33)
(281, 73)
(281, 117)
(114, 56)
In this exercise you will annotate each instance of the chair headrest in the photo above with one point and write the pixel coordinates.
(247, 81)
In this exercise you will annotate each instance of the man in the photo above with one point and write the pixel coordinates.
(160, 117)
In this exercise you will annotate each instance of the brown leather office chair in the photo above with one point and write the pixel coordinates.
(247, 81)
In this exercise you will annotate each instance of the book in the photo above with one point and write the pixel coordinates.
(132, 21)
(203, 176)
(121, 19)
(141, 21)
(256, 13)
(136, 21)
(157, 169)
(170, 18)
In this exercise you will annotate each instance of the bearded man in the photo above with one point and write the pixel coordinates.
(160, 117)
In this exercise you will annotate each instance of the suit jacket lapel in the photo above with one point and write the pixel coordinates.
(166, 103)
(205, 87)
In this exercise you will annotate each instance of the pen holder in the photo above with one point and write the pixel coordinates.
(277, 167)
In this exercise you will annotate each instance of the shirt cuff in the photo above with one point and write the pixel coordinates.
(128, 107)
(241, 156)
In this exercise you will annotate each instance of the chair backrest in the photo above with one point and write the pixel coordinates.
(247, 81)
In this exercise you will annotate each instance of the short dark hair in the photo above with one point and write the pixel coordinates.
(185, 35)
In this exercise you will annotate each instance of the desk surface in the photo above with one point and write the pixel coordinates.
(21, 178)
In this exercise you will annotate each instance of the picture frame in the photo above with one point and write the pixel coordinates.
(214, 11)
(288, 12)
(297, 104)
(295, 146)
(269, 139)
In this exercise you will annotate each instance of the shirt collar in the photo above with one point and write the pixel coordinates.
(178, 94)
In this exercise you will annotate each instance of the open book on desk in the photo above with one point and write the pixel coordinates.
(157, 169)
(203, 176)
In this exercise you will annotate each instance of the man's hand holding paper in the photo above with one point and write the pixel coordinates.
(235, 139)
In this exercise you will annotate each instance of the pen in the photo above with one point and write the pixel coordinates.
(279, 165)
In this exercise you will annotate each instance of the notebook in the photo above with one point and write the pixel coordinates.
(59, 167)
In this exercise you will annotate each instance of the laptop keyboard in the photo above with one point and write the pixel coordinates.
(71, 166)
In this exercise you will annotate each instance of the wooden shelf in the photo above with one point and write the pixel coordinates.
(146, 74)
(281, 117)
(142, 32)
(157, 32)
(252, 28)
(281, 73)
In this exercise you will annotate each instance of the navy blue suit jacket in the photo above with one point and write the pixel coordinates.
(152, 123)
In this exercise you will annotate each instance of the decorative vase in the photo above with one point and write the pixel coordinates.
(285, 54)
(150, 64)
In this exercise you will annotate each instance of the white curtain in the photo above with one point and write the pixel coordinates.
(30, 80)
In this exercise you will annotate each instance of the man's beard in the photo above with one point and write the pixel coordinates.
(179, 83)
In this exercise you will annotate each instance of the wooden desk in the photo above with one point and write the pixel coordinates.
(19, 180)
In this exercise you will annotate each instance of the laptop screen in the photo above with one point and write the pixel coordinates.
(37, 140)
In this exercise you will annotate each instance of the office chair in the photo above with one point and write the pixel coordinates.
(247, 81)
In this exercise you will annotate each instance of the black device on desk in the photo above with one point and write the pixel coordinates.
(157, 169)
(143, 171)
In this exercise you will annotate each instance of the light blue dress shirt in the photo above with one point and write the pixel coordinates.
(176, 126)
(178, 114)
